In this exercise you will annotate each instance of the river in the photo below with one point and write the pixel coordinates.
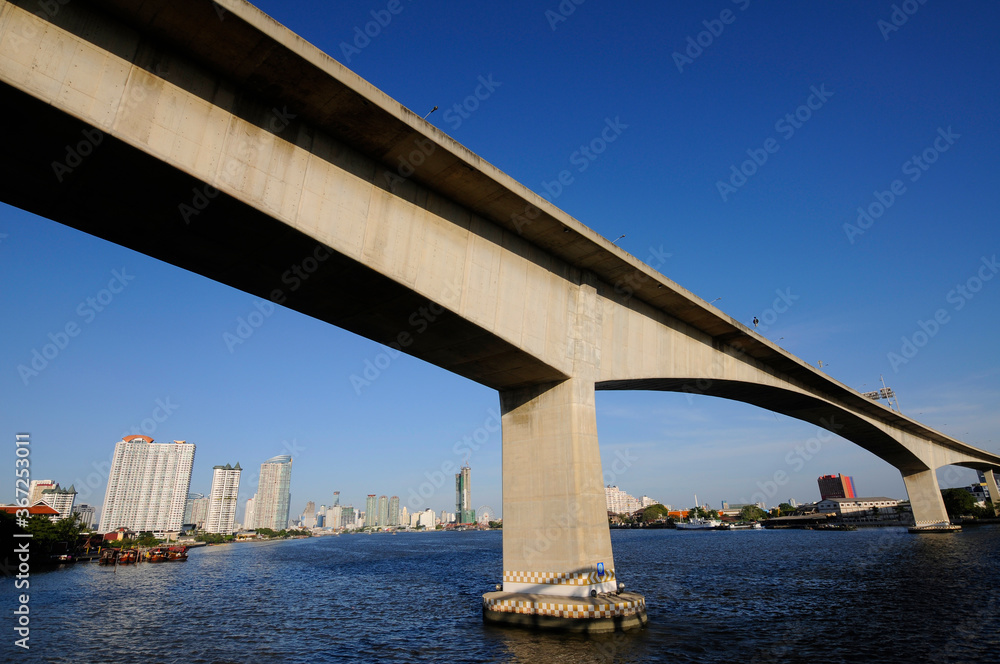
(751, 597)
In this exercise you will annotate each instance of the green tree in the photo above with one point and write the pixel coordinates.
(958, 501)
(654, 513)
(752, 513)
(54, 536)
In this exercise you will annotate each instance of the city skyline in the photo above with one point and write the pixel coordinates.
(837, 263)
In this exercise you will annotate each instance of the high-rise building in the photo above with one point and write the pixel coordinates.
(88, 515)
(394, 511)
(336, 499)
(836, 486)
(61, 500)
(223, 499)
(199, 512)
(348, 517)
(248, 514)
(148, 485)
(309, 516)
(404, 516)
(463, 496)
(273, 497)
(371, 510)
(189, 505)
(620, 502)
(35, 490)
(383, 512)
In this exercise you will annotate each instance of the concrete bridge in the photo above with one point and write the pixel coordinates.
(208, 136)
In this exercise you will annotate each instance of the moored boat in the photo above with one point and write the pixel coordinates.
(699, 523)
(177, 553)
(157, 555)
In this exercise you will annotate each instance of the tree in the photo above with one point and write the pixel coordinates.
(784, 509)
(752, 513)
(654, 513)
(958, 501)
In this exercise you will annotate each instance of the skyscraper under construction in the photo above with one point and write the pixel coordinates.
(463, 496)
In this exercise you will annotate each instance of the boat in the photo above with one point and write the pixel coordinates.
(157, 555)
(699, 523)
(108, 557)
(128, 557)
(177, 554)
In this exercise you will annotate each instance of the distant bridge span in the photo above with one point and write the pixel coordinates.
(208, 136)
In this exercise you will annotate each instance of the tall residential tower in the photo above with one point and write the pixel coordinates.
(148, 485)
(222, 501)
(273, 497)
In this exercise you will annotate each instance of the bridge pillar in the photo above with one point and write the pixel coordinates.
(992, 490)
(926, 501)
(558, 569)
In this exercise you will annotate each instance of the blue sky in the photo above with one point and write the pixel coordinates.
(832, 105)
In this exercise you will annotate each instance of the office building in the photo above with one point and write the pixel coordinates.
(223, 499)
(463, 496)
(273, 498)
(836, 486)
(148, 485)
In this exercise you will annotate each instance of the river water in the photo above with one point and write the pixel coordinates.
(868, 596)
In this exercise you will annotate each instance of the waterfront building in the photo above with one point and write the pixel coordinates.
(35, 490)
(404, 516)
(223, 498)
(371, 510)
(61, 500)
(332, 519)
(463, 496)
(857, 506)
(273, 497)
(426, 519)
(383, 512)
(348, 517)
(147, 485)
(394, 511)
(836, 486)
(88, 515)
(619, 502)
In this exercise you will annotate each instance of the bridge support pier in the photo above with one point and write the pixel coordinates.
(925, 500)
(992, 490)
(558, 568)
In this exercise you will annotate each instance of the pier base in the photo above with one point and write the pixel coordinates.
(592, 615)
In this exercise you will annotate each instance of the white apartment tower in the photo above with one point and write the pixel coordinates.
(222, 500)
(148, 485)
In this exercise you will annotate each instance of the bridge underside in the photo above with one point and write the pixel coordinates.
(124, 195)
(792, 404)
